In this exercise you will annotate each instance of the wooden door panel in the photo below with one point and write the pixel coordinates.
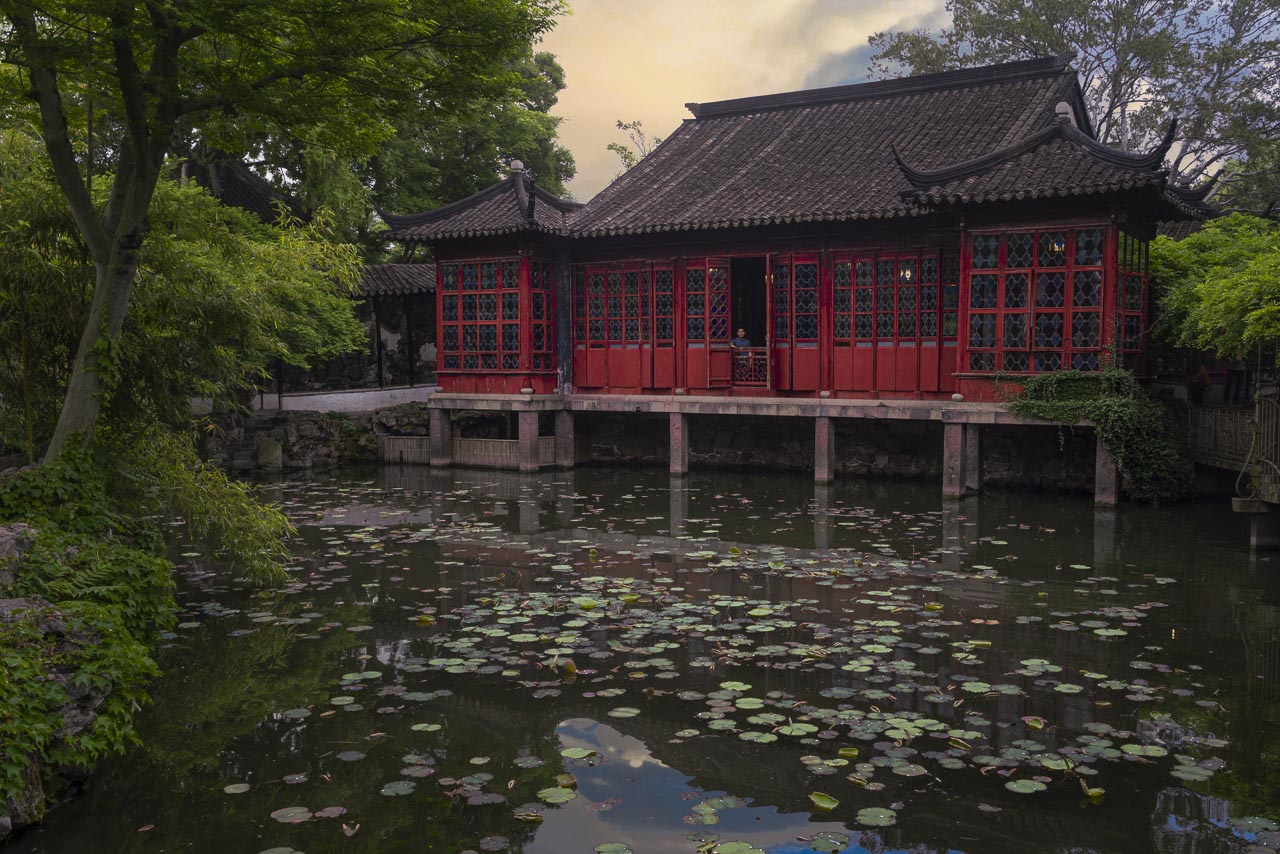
(863, 368)
(929, 362)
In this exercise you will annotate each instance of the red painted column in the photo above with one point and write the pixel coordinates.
(824, 450)
(527, 430)
(679, 426)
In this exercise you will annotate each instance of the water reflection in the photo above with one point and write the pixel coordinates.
(398, 563)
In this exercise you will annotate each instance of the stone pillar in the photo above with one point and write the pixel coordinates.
(953, 462)
(566, 443)
(972, 459)
(441, 437)
(679, 443)
(822, 515)
(1106, 477)
(527, 430)
(824, 450)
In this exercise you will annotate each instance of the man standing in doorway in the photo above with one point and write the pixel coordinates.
(741, 340)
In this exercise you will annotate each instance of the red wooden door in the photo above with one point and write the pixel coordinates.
(664, 328)
(596, 374)
(719, 329)
(796, 351)
(708, 358)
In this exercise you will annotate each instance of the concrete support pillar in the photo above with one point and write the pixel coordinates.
(822, 515)
(441, 425)
(566, 442)
(824, 450)
(1106, 477)
(953, 459)
(679, 443)
(679, 505)
(527, 430)
(972, 459)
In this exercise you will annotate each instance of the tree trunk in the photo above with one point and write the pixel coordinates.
(83, 402)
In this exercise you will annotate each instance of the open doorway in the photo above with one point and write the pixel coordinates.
(750, 312)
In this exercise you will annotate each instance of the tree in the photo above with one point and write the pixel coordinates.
(219, 296)
(641, 145)
(1221, 286)
(1213, 63)
(431, 162)
(229, 71)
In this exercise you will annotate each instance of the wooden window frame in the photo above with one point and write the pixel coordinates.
(991, 293)
(462, 316)
(1133, 260)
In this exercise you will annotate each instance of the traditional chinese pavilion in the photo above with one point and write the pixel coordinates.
(901, 240)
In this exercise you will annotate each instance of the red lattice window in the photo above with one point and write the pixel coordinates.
(706, 303)
(664, 307)
(612, 304)
(795, 300)
(1035, 300)
(1131, 299)
(898, 298)
(480, 315)
(542, 315)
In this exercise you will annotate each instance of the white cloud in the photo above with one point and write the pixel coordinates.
(643, 59)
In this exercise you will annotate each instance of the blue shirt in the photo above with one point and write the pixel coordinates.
(742, 342)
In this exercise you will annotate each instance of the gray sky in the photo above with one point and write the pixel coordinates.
(643, 59)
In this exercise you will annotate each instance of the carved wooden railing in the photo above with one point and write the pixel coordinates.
(1246, 440)
(751, 366)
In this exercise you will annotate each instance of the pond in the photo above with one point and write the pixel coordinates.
(609, 660)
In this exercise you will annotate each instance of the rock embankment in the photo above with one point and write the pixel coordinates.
(31, 627)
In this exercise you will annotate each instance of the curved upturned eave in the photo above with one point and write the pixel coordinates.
(925, 178)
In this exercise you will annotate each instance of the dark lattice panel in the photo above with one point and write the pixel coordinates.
(1015, 331)
(782, 302)
(982, 330)
(982, 291)
(805, 307)
(1048, 331)
(1015, 290)
(1019, 251)
(1051, 290)
(664, 307)
(718, 304)
(1131, 295)
(986, 251)
(1086, 289)
(1053, 249)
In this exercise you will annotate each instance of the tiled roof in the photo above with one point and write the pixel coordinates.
(1056, 161)
(995, 133)
(233, 183)
(512, 205)
(825, 154)
(395, 279)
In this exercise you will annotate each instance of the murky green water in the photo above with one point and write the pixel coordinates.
(955, 676)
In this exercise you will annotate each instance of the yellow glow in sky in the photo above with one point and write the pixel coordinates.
(643, 59)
